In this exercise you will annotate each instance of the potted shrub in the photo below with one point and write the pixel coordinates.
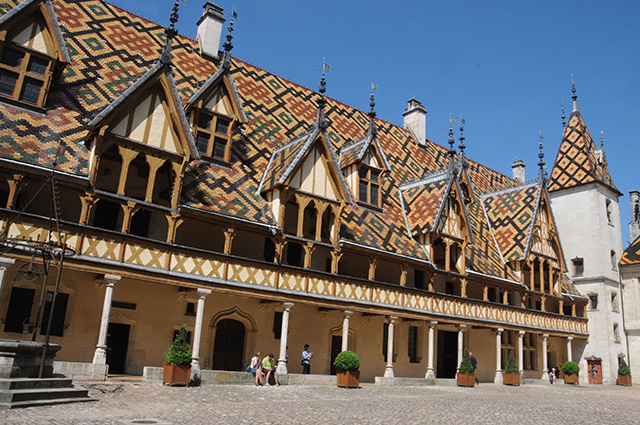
(177, 364)
(466, 376)
(570, 370)
(511, 371)
(624, 373)
(348, 365)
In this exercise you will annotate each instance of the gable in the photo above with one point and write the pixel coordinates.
(452, 221)
(32, 35)
(544, 237)
(314, 175)
(220, 102)
(149, 122)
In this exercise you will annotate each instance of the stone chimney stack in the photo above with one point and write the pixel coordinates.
(415, 120)
(210, 30)
(634, 226)
(518, 170)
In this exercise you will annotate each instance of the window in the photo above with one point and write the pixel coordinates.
(529, 350)
(19, 310)
(212, 135)
(191, 309)
(59, 312)
(369, 188)
(277, 325)
(616, 333)
(593, 301)
(578, 266)
(614, 301)
(419, 279)
(269, 252)
(614, 261)
(412, 348)
(609, 211)
(22, 75)
(491, 295)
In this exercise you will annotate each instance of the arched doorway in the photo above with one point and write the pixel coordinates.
(229, 345)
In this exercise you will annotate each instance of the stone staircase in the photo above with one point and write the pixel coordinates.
(27, 392)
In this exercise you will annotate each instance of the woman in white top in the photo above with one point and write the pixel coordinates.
(255, 368)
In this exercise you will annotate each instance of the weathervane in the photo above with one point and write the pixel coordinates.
(541, 163)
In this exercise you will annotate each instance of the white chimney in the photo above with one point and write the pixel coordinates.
(518, 170)
(210, 30)
(415, 120)
(634, 226)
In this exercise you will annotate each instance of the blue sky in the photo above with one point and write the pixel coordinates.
(504, 65)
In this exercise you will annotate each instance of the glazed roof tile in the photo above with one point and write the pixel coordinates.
(423, 201)
(579, 161)
(631, 255)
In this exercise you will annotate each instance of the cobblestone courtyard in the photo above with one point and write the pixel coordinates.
(139, 403)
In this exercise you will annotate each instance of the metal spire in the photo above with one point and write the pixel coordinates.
(564, 122)
(320, 118)
(461, 145)
(541, 163)
(228, 45)
(372, 113)
(170, 33)
(574, 96)
(452, 149)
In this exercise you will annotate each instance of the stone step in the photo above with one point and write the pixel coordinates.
(12, 396)
(34, 383)
(47, 402)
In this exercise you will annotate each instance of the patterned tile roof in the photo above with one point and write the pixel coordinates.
(423, 201)
(578, 161)
(110, 49)
(511, 214)
(631, 255)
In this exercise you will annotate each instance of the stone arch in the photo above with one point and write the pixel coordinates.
(337, 330)
(235, 313)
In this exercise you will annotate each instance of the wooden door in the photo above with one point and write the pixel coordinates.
(594, 369)
(336, 348)
(229, 345)
(117, 347)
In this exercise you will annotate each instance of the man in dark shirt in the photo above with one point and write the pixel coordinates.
(474, 363)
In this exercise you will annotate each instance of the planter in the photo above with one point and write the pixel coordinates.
(571, 379)
(466, 379)
(176, 374)
(624, 380)
(348, 379)
(511, 379)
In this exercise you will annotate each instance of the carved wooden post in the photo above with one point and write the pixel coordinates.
(403, 274)
(336, 254)
(373, 262)
(127, 155)
(14, 184)
(309, 247)
(229, 234)
(154, 165)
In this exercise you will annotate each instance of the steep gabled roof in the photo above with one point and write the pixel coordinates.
(217, 78)
(631, 255)
(511, 215)
(579, 161)
(355, 152)
(423, 202)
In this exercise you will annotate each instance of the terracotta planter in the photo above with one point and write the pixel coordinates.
(624, 380)
(571, 379)
(511, 379)
(176, 374)
(466, 379)
(348, 379)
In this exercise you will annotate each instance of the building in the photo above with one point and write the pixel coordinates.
(630, 277)
(197, 188)
(591, 238)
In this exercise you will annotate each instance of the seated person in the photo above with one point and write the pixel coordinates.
(269, 367)
(255, 368)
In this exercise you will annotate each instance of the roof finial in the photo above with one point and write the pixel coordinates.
(452, 149)
(320, 119)
(170, 33)
(461, 138)
(602, 141)
(228, 45)
(541, 163)
(564, 121)
(574, 96)
(372, 114)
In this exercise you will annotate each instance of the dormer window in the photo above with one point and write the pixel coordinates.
(213, 134)
(369, 187)
(23, 74)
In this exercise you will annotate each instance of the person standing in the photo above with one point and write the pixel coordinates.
(306, 360)
(474, 363)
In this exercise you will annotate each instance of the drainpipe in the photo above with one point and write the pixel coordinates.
(624, 323)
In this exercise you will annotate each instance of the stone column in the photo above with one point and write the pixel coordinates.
(388, 370)
(100, 355)
(545, 366)
(569, 349)
(5, 263)
(282, 358)
(498, 379)
(461, 329)
(521, 354)
(195, 362)
(431, 374)
(345, 329)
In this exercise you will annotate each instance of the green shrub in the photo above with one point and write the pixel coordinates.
(347, 361)
(624, 368)
(512, 366)
(570, 368)
(465, 364)
(180, 350)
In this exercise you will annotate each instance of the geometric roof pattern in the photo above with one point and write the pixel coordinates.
(110, 49)
(631, 255)
(578, 161)
(511, 213)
